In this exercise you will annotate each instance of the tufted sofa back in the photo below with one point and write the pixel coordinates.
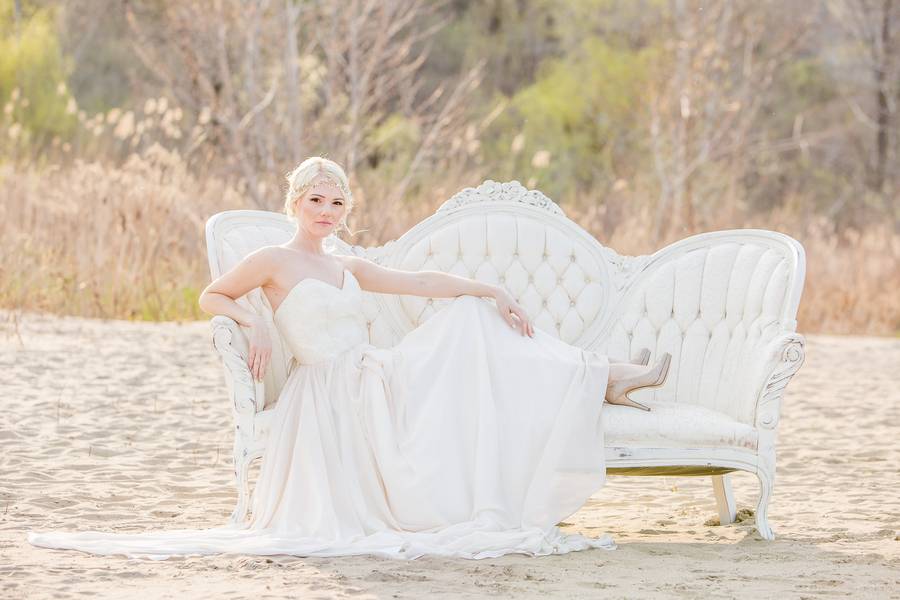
(503, 234)
(712, 300)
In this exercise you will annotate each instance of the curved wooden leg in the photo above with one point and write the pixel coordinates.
(241, 475)
(766, 483)
(724, 499)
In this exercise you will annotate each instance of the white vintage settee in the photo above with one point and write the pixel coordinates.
(722, 303)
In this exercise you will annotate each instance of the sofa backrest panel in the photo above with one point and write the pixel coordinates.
(558, 278)
(711, 301)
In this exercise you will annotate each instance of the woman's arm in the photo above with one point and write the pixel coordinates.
(436, 284)
(219, 297)
(431, 284)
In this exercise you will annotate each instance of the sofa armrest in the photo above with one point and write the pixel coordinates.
(778, 361)
(229, 340)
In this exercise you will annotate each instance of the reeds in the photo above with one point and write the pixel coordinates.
(852, 276)
(100, 241)
(121, 235)
(127, 242)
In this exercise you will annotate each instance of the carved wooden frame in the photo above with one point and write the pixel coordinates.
(781, 358)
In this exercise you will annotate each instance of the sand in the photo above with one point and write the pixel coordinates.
(125, 426)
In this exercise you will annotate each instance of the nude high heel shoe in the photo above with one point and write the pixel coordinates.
(617, 392)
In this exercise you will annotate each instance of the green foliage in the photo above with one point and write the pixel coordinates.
(394, 141)
(33, 72)
(807, 80)
(583, 110)
(167, 305)
(512, 36)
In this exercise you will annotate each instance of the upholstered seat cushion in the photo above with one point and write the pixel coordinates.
(667, 425)
(674, 425)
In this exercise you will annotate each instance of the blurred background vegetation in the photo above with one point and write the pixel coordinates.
(126, 123)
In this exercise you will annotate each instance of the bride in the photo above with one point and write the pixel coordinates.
(473, 437)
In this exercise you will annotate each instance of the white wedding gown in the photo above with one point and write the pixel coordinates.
(465, 439)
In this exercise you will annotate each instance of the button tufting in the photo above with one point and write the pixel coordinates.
(572, 303)
(572, 257)
(543, 303)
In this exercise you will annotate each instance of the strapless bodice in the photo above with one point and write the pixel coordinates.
(318, 321)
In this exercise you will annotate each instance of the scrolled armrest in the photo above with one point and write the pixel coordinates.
(779, 360)
(233, 348)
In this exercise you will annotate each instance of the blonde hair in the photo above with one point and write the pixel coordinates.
(305, 175)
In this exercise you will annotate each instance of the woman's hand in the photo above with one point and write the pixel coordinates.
(260, 348)
(512, 313)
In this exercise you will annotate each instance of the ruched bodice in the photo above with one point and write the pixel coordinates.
(318, 321)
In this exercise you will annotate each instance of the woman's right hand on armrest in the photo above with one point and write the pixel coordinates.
(260, 348)
(219, 298)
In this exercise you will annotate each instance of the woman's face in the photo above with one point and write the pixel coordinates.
(321, 208)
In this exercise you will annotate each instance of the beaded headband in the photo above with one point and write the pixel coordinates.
(327, 179)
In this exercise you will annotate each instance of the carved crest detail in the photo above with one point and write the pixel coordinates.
(494, 191)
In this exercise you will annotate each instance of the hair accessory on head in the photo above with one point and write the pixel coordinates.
(319, 179)
(313, 171)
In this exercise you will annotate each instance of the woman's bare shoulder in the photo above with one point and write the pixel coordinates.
(273, 261)
(262, 258)
(273, 254)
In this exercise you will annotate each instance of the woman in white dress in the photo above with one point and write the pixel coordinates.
(472, 437)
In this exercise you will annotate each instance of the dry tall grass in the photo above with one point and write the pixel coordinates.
(852, 280)
(127, 242)
(852, 276)
(108, 242)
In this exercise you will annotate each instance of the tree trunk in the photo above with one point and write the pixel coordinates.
(881, 100)
(292, 86)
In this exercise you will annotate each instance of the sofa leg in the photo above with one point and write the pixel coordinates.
(241, 475)
(724, 499)
(766, 482)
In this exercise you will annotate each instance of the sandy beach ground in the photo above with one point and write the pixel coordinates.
(125, 426)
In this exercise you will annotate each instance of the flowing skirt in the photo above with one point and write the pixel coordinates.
(465, 439)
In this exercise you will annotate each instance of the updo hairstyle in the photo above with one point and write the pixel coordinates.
(310, 172)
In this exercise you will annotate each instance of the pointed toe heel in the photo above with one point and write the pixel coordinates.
(618, 392)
